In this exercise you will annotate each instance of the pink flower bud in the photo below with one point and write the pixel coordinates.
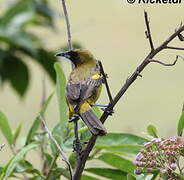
(138, 171)
(156, 140)
(163, 170)
(173, 165)
(139, 157)
(147, 144)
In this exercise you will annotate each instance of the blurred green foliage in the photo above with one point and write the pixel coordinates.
(114, 149)
(17, 42)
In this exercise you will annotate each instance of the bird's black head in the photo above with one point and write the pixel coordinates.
(77, 56)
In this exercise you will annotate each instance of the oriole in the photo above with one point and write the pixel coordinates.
(84, 88)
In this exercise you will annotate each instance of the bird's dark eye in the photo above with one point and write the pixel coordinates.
(73, 54)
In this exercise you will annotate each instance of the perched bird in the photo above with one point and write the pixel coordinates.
(83, 89)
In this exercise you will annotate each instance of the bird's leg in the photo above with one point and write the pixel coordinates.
(75, 117)
(101, 105)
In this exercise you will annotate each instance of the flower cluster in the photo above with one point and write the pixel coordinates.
(160, 155)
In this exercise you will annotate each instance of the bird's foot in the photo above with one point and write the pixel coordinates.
(110, 112)
(74, 118)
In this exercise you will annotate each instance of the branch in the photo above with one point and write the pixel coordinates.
(67, 25)
(105, 81)
(175, 48)
(162, 63)
(148, 32)
(64, 158)
(80, 167)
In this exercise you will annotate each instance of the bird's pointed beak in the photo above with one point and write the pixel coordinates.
(63, 54)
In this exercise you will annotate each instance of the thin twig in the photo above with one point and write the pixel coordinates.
(64, 158)
(80, 167)
(43, 146)
(148, 31)
(105, 81)
(162, 63)
(51, 166)
(175, 48)
(67, 25)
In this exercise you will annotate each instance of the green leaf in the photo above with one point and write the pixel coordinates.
(46, 59)
(33, 129)
(114, 174)
(130, 177)
(38, 178)
(61, 85)
(118, 162)
(16, 159)
(6, 129)
(180, 176)
(19, 14)
(57, 173)
(145, 177)
(85, 177)
(16, 72)
(44, 11)
(120, 143)
(152, 131)
(17, 133)
(37, 121)
(26, 166)
(97, 111)
(181, 123)
(45, 105)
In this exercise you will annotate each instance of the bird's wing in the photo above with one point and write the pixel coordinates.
(79, 92)
(88, 88)
(73, 90)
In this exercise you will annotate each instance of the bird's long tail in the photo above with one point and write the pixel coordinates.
(91, 120)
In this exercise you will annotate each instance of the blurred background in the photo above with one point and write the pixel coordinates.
(114, 31)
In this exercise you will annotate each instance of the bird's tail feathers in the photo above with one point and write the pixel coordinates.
(92, 122)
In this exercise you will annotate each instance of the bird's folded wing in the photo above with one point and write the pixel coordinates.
(81, 91)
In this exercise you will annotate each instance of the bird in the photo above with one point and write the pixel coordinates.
(83, 89)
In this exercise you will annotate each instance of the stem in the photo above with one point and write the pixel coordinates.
(67, 25)
(51, 166)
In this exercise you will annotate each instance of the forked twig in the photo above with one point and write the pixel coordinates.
(162, 63)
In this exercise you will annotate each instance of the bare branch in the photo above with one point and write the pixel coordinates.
(175, 48)
(67, 25)
(162, 63)
(105, 81)
(85, 154)
(148, 32)
(64, 158)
